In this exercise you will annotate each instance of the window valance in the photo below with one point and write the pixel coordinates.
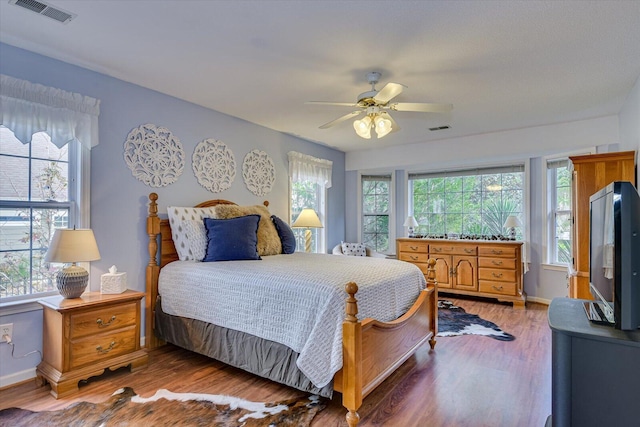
(27, 108)
(303, 167)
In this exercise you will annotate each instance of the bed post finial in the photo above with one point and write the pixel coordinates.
(352, 303)
(153, 206)
(431, 271)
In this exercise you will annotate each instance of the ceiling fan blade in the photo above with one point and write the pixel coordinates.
(388, 92)
(341, 119)
(422, 107)
(394, 125)
(340, 104)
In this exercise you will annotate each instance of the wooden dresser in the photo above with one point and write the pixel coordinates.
(590, 174)
(84, 336)
(470, 267)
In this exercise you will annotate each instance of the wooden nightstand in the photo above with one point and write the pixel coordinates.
(84, 336)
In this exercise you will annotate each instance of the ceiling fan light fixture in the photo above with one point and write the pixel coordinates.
(383, 126)
(363, 127)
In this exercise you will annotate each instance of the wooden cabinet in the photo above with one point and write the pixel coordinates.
(590, 174)
(84, 336)
(470, 267)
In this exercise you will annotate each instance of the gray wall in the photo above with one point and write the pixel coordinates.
(119, 201)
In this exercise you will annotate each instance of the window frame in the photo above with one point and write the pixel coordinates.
(549, 210)
(481, 170)
(319, 234)
(78, 164)
(391, 214)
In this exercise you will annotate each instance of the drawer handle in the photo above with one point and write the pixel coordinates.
(413, 248)
(101, 323)
(496, 274)
(496, 262)
(498, 288)
(413, 257)
(437, 249)
(469, 251)
(103, 351)
(496, 251)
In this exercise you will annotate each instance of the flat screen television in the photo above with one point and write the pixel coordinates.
(614, 256)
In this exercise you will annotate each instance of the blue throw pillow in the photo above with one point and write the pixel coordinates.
(287, 237)
(232, 239)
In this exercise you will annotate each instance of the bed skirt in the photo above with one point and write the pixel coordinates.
(267, 359)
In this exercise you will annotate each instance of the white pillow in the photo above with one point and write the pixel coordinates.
(177, 216)
(197, 237)
(354, 249)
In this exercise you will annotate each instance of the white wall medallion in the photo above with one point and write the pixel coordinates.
(214, 165)
(258, 172)
(154, 155)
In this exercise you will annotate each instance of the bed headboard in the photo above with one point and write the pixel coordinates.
(162, 251)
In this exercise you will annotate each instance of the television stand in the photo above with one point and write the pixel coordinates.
(595, 370)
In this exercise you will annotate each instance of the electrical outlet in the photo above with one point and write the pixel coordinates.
(6, 329)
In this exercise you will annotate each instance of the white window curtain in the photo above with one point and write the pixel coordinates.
(303, 167)
(27, 108)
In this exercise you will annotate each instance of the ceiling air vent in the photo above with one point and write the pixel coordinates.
(439, 128)
(45, 9)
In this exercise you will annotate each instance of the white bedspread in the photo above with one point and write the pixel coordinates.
(297, 300)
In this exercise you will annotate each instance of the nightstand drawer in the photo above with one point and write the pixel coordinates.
(103, 320)
(507, 263)
(496, 274)
(103, 346)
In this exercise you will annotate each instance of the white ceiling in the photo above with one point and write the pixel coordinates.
(502, 64)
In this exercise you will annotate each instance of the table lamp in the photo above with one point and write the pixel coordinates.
(510, 224)
(307, 219)
(72, 246)
(411, 223)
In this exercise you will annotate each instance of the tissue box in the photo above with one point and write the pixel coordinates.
(113, 283)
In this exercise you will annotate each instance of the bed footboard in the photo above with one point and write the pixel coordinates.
(373, 350)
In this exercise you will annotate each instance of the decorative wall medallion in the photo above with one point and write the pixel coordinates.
(258, 172)
(214, 165)
(154, 155)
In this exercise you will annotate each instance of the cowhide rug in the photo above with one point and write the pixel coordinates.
(453, 320)
(125, 408)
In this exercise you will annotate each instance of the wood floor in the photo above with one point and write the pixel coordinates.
(466, 381)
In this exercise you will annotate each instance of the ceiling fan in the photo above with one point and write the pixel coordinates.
(373, 104)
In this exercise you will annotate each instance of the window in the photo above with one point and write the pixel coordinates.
(468, 202)
(45, 138)
(559, 212)
(376, 211)
(34, 201)
(306, 194)
(309, 179)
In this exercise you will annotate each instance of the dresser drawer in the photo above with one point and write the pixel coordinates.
(414, 257)
(416, 246)
(103, 320)
(497, 251)
(444, 249)
(501, 288)
(496, 274)
(103, 346)
(508, 263)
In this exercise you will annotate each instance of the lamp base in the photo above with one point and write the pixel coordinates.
(307, 240)
(72, 281)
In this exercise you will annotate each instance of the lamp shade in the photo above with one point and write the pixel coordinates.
(512, 222)
(363, 127)
(71, 245)
(307, 219)
(383, 126)
(410, 222)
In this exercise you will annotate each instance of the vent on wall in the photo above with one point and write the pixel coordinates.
(45, 9)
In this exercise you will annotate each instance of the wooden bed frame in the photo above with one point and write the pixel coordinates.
(372, 350)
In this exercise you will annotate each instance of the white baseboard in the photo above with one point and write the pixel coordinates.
(17, 377)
